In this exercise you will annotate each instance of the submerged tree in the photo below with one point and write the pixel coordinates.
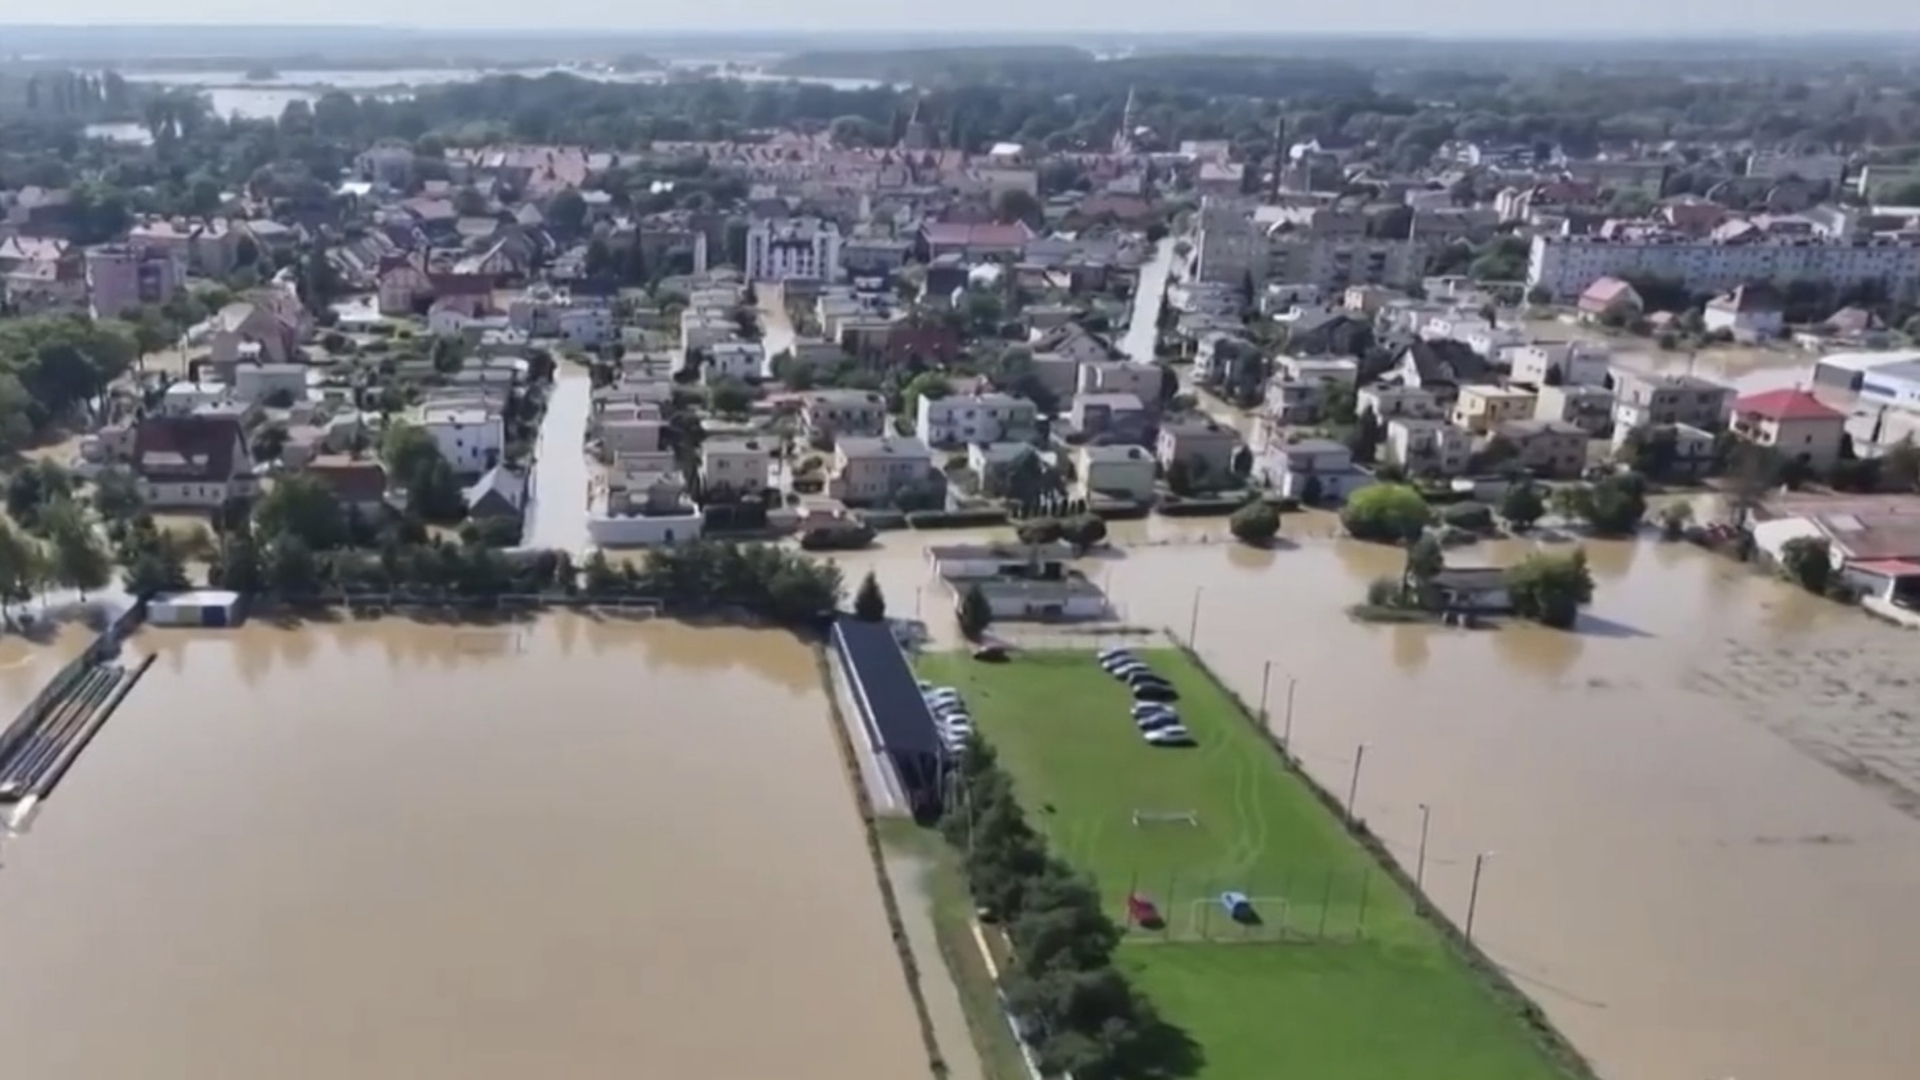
(869, 604)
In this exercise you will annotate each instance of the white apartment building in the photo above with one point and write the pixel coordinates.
(472, 437)
(1566, 265)
(971, 418)
(1336, 262)
(1228, 245)
(782, 248)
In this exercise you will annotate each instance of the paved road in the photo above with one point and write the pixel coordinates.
(1143, 327)
(557, 502)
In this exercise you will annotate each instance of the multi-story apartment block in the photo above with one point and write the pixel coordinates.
(970, 418)
(783, 248)
(121, 277)
(734, 466)
(1564, 265)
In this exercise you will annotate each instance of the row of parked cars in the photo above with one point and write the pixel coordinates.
(1153, 698)
(949, 715)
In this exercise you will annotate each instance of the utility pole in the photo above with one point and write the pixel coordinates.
(1266, 679)
(1193, 623)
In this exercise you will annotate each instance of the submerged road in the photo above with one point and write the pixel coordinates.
(557, 497)
(1143, 325)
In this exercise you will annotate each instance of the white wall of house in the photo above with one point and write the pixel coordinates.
(643, 531)
(472, 440)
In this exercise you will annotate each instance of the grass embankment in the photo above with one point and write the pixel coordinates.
(951, 909)
(1340, 980)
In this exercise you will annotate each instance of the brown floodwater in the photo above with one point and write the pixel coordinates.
(395, 850)
(1696, 810)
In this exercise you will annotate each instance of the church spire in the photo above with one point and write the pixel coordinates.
(1123, 138)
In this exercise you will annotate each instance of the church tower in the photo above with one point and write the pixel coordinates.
(1123, 138)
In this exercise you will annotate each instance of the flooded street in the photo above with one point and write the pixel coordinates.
(1697, 857)
(557, 496)
(394, 850)
(1143, 326)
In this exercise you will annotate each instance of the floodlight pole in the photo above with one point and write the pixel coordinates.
(1473, 894)
(1193, 623)
(1420, 864)
(1353, 786)
(1266, 680)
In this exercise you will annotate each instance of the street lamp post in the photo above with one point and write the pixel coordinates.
(1193, 623)
(1353, 786)
(1473, 894)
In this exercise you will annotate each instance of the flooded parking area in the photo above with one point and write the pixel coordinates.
(1695, 815)
(393, 850)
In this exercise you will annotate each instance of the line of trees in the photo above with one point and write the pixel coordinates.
(1076, 1010)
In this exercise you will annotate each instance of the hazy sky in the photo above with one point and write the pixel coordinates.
(1619, 18)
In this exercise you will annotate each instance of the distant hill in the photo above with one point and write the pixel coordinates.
(946, 65)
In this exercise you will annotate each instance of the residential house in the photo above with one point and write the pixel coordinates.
(1440, 367)
(1119, 472)
(402, 286)
(1311, 470)
(268, 326)
(1610, 298)
(1329, 332)
(876, 472)
(192, 462)
(278, 385)
(829, 414)
(1075, 341)
(734, 360)
(735, 466)
(359, 484)
(472, 437)
(1387, 400)
(1293, 401)
(1204, 447)
(988, 459)
(1559, 363)
(1110, 418)
(1641, 399)
(1794, 424)
(1480, 409)
(499, 494)
(1748, 312)
(205, 247)
(1589, 408)
(1144, 381)
(1550, 448)
(1424, 447)
(978, 417)
(973, 241)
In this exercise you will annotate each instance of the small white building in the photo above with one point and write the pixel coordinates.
(734, 360)
(472, 438)
(261, 384)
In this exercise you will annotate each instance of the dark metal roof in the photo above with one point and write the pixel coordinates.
(885, 690)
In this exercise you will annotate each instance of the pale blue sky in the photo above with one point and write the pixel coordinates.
(1619, 18)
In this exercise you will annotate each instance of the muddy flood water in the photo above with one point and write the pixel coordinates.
(1696, 809)
(392, 850)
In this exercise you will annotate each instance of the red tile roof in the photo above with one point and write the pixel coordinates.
(1787, 405)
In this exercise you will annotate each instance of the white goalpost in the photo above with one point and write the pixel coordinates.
(1190, 818)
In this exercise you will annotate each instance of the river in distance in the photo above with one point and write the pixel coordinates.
(1691, 810)
(581, 847)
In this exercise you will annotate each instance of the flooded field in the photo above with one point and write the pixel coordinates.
(1695, 810)
(393, 850)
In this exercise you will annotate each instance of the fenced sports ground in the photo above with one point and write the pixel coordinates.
(1327, 951)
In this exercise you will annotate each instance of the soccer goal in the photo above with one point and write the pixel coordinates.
(490, 642)
(1144, 818)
